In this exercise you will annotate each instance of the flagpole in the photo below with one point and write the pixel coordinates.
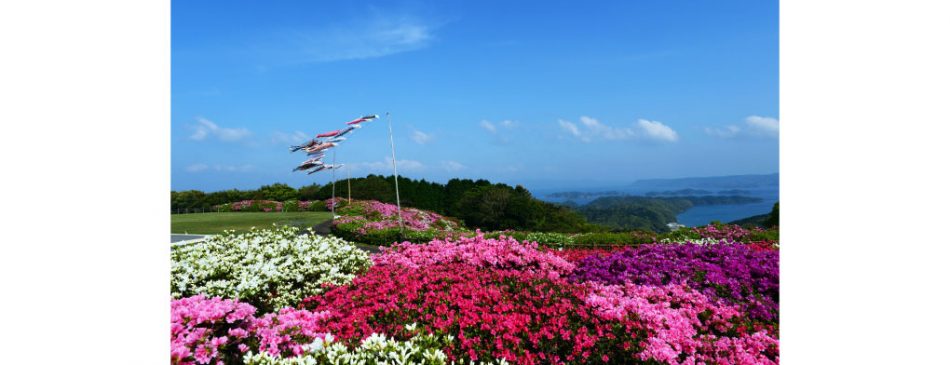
(392, 146)
(333, 189)
(349, 195)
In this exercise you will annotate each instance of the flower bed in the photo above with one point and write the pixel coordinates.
(721, 232)
(224, 331)
(270, 206)
(501, 253)
(574, 255)
(476, 299)
(376, 223)
(732, 272)
(269, 268)
(520, 317)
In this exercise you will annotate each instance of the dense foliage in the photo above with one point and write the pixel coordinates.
(634, 212)
(479, 203)
(648, 213)
(376, 223)
(192, 200)
(731, 272)
(224, 331)
(266, 268)
(762, 221)
(271, 206)
(373, 350)
(712, 301)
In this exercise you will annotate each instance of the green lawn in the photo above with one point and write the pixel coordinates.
(211, 223)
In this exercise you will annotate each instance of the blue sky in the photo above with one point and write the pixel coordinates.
(546, 94)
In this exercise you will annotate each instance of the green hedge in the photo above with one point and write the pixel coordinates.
(384, 237)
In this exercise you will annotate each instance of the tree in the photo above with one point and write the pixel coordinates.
(772, 221)
(279, 192)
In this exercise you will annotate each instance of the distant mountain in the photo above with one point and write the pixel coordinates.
(648, 213)
(734, 192)
(762, 220)
(712, 182)
(756, 220)
(583, 195)
(681, 192)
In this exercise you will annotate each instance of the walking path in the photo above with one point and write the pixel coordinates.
(322, 229)
(183, 238)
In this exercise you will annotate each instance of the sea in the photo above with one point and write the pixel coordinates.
(695, 216)
(702, 215)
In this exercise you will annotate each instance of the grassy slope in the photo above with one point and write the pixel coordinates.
(210, 223)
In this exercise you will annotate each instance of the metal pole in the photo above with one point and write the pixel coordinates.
(349, 195)
(392, 145)
(333, 207)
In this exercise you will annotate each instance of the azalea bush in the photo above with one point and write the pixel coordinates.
(375, 349)
(733, 272)
(478, 251)
(268, 268)
(720, 232)
(208, 330)
(270, 206)
(281, 297)
(224, 331)
(685, 326)
(521, 317)
(377, 223)
(574, 255)
(552, 239)
(614, 238)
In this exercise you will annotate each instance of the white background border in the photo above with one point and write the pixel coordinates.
(85, 90)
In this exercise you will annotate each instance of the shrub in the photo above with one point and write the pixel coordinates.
(376, 223)
(420, 236)
(611, 239)
(686, 327)
(206, 330)
(575, 254)
(291, 206)
(266, 268)
(375, 349)
(381, 237)
(732, 272)
(495, 314)
(478, 251)
(551, 239)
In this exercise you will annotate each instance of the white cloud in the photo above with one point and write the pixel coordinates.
(658, 131)
(570, 128)
(453, 166)
(763, 125)
(755, 126)
(488, 126)
(363, 38)
(296, 137)
(198, 167)
(493, 128)
(205, 127)
(728, 132)
(591, 129)
(420, 137)
(500, 129)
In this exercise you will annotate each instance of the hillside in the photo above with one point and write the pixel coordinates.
(761, 220)
(712, 182)
(478, 203)
(648, 213)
